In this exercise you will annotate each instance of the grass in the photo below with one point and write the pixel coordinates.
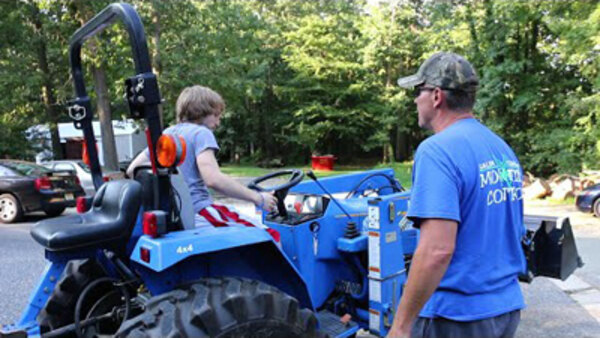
(568, 200)
(243, 170)
(403, 170)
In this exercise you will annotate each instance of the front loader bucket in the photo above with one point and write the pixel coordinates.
(550, 248)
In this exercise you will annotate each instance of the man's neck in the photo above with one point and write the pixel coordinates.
(447, 118)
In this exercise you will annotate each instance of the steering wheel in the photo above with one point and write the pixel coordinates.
(281, 190)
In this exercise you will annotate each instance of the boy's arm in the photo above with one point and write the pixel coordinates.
(215, 179)
(140, 160)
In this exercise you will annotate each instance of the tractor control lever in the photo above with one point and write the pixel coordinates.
(314, 178)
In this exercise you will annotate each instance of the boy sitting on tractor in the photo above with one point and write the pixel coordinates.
(199, 112)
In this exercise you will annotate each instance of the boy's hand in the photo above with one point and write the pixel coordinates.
(267, 201)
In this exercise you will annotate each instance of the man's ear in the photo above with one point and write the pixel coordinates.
(438, 98)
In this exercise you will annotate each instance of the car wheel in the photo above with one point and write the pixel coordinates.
(596, 207)
(10, 209)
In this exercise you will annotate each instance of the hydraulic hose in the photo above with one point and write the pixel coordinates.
(365, 281)
(121, 287)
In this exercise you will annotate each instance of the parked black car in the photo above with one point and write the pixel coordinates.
(27, 187)
(588, 200)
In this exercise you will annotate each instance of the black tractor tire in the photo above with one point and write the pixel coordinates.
(54, 211)
(10, 209)
(596, 207)
(222, 307)
(60, 308)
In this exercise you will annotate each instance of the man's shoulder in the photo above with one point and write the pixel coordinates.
(463, 127)
(455, 139)
(463, 131)
(427, 144)
(445, 140)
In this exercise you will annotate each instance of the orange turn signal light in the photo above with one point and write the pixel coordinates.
(170, 150)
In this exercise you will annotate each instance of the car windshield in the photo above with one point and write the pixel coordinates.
(5, 172)
(83, 166)
(25, 168)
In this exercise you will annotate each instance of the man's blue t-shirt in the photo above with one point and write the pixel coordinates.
(198, 138)
(468, 174)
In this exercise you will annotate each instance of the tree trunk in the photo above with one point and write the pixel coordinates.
(232, 153)
(401, 148)
(266, 105)
(109, 147)
(389, 81)
(386, 152)
(156, 60)
(48, 98)
(473, 32)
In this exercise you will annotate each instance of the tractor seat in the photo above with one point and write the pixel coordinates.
(182, 198)
(109, 221)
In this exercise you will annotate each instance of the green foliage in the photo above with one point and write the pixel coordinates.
(304, 77)
(403, 171)
(578, 26)
(323, 52)
(13, 143)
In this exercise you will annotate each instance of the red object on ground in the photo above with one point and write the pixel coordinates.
(324, 163)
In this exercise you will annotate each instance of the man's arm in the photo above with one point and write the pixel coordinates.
(141, 159)
(215, 179)
(428, 266)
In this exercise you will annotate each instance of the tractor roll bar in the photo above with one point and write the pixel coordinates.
(143, 97)
(104, 19)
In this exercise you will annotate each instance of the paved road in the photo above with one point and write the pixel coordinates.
(576, 301)
(21, 263)
(551, 311)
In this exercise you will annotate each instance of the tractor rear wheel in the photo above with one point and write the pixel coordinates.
(60, 308)
(222, 307)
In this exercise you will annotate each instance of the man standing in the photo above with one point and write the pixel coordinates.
(467, 201)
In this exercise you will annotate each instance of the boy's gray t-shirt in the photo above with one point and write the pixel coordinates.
(197, 138)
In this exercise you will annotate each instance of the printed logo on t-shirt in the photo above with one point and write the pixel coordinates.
(504, 178)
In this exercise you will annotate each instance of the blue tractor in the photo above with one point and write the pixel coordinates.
(131, 263)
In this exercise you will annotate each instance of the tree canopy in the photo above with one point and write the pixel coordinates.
(319, 77)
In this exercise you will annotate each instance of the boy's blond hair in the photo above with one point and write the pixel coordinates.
(196, 102)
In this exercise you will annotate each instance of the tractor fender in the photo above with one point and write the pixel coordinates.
(185, 256)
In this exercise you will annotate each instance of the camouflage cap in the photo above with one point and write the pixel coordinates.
(444, 70)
